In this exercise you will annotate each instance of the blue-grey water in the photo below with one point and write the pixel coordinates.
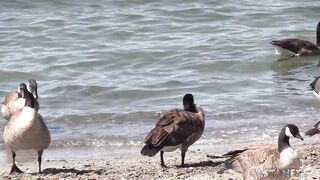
(104, 68)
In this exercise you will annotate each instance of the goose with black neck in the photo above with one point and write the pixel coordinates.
(268, 156)
(177, 128)
(26, 129)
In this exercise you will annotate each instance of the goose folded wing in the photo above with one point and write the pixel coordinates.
(253, 157)
(297, 46)
(312, 132)
(173, 128)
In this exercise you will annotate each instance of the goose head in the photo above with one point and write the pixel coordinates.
(33, 88)
(292, 130)
(287, 132)
(188, 103)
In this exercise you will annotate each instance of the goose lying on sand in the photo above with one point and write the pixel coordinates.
(253, 160)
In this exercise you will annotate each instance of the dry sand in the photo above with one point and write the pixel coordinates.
(199, 166)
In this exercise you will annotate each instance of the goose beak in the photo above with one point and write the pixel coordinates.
(299, 137)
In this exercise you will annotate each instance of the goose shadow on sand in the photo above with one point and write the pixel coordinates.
(207, 163)
(55, 171)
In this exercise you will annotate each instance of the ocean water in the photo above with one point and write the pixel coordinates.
(104, 68)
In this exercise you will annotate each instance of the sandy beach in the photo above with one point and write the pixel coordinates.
(199, 166)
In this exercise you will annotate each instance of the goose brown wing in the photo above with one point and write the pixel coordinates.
(262, 157)
(297, 46)
(173, 128)
(313, 132)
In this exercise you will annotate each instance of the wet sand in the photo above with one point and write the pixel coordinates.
(199, 166)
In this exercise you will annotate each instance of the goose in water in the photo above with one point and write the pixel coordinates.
(288, 48)
(314, 130)
(252, 160)
(315, 85)
(177, 128)
(14, 103)
(26, 129)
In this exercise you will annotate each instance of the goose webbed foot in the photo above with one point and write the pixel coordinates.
(15, 169)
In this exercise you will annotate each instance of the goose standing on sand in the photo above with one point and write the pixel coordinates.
(260, 158)
(314, 131)
(315, 85)
(14, 103)
(288, 48)
(177, 128)
(26, 129)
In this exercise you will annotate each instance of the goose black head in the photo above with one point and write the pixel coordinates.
(292, 130)
(33, 88)
(23, 90)
(288, 131)
(188, 103)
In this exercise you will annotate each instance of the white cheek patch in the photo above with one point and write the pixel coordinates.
(288, 132)
(28, 87)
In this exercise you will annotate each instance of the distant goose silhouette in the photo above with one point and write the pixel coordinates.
(288, 48)
(14, 103)
(314, 131)
(260, 158)
(26, 129)
(315, 85)
(177, 128)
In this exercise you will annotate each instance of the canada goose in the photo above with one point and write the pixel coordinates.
(288, 48)
(315, 85)
(26, 129)
(175, 129)
(13, 101)
(267, 157)
(314, 130)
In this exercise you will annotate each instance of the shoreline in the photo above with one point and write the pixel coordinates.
(198, 166)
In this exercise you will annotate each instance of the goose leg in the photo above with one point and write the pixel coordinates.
(14, 168)
(183, 154)
(40, 159)
(161, 158)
